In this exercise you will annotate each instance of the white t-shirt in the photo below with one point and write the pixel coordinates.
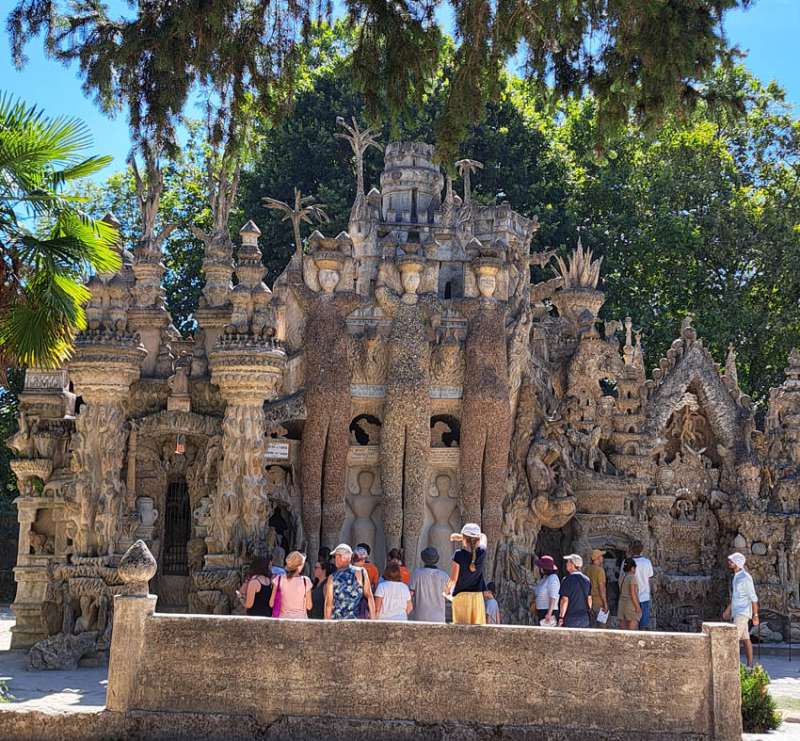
(395, 596)
(546, 589)
(644, 573)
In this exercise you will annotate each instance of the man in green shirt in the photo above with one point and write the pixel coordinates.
(597, 576)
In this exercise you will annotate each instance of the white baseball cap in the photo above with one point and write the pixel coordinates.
(738, 559)
(343, 550)
(576, 559)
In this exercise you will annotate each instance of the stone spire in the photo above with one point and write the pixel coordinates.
(731, 373)
(247, 365)
(411, 184)
(627, 351)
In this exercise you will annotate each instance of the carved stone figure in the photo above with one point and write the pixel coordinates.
(363, 504)
(486, 415)
(442, 501)
(405, 435)
(323, 453)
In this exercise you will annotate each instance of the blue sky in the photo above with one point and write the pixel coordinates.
(768, 32)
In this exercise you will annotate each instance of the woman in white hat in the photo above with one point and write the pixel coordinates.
(466, 576)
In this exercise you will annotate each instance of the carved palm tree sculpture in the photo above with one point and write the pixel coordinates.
(465, 168)
(304, 210)
(360, 141)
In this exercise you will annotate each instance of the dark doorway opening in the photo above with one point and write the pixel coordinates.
(177, 529)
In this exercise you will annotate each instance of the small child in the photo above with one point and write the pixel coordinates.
(492, 608)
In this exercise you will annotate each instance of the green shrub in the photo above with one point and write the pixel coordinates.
(5, 695)
(759, 713)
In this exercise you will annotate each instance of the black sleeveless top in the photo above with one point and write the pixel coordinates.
(261, 602)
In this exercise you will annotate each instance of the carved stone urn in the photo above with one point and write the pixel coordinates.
(147, 516)
(136, 568)
(147, 513)
(573, 302)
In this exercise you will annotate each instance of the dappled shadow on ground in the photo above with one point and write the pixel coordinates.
(49, 691)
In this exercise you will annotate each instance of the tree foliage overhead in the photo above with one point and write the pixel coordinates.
(639, 58)
(151, 60)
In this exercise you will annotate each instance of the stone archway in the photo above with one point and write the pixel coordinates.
(696, 371)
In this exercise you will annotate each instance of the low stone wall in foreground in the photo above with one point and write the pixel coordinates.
(354, 680)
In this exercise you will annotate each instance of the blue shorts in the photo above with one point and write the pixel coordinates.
(644, 622)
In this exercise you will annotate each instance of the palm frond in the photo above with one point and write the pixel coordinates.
(38, 328)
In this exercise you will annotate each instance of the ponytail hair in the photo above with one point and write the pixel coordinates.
(472, 544)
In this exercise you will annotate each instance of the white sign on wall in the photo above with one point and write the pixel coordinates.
(278, 450)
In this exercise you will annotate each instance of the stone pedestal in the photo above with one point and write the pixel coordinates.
(149, 323)
(31, 577)
(212, 320)
(220, 561)
(131, 611)
(726, 699)
(27, 608)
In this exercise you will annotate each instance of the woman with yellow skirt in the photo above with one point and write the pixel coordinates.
(466, 576)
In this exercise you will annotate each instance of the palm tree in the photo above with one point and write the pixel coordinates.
(48, 245)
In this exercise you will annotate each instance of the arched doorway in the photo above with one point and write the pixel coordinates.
(173, 582)
(177, 529)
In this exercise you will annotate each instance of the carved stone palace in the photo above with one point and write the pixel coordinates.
(396, 381)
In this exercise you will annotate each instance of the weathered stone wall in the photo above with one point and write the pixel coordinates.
(599, 684)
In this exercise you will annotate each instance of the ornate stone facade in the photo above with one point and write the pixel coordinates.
(398, 380)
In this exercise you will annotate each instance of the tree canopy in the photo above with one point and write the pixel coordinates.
(639, 59)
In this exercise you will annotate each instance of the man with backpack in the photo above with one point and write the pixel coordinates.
(575, 604)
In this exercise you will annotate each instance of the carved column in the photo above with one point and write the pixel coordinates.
(214, 311)
(40, 446)
(248, 374)
(103, 368)
(149, 316)
(247, 365)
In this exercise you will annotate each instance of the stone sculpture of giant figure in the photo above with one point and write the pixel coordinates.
(405, 435)
(486, 412)
(323, 452)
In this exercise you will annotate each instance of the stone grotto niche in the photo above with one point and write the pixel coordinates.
(285, 525)
(365, 429)
(689, 434)
(445, 431)
(43, 530)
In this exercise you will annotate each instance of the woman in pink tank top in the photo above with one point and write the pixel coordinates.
(295, 589)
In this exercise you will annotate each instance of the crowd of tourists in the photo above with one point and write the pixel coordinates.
(345, 585)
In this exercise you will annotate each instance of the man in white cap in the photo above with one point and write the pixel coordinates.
(575, 605)
(347, 588)
(743, 606)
